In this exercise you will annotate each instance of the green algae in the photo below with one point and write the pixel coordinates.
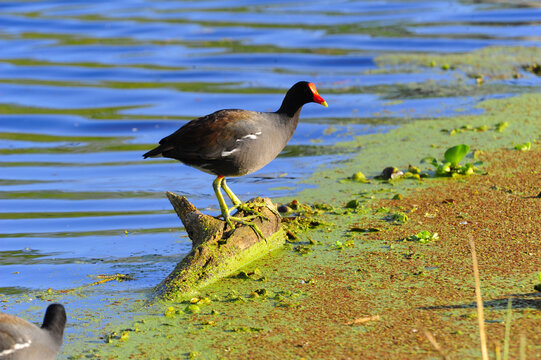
(86, 64)
(403, 146)
(456, 86)
(78, 195)
(197, 278)
(494, 62)
(92, 113)
(51, 138)
(357, 28)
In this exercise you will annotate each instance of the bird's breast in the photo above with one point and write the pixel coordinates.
(255, 150)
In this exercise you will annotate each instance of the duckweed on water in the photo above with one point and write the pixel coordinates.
(349, 243)
(302, 249)
(494, 62)
(338, 245)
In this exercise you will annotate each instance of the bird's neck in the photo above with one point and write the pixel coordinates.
(290, 108)
(55, 329)
(289, 124)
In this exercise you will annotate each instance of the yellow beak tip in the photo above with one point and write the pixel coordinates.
(324, 103)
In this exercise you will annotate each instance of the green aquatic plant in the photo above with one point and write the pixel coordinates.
(172, 312)
(192, 309)
(356, 177)
(524, 146)
(391, 173)
(398, 217)
(423, 237)
(456, 153)
(499, 127)
(450, 165)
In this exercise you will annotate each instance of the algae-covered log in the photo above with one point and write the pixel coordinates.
(216, 250)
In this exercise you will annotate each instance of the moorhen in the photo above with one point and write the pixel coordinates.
(21, 340)
(235, 142)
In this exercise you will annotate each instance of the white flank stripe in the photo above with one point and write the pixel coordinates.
(227, 153)
(17, 347)
(250, 136)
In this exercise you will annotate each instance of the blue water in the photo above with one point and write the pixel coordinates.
(86, 87)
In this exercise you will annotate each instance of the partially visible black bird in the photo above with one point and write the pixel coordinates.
(21, 340)
(235, 142)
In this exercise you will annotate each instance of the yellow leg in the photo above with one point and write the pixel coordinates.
(234, 199)
(239, 205)
(220, 182)
(216, 184)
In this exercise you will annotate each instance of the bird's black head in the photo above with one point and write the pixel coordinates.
(299, 94)
(55, 321)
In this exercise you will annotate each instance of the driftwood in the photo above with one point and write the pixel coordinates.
(217, 251)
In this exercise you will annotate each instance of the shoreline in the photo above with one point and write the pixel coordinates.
(305, 300)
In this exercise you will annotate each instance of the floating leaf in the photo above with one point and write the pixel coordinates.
(456, 153)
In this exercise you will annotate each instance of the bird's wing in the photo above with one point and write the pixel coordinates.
(210, 136)
(11, 340)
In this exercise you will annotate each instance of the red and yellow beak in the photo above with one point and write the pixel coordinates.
(317, 98)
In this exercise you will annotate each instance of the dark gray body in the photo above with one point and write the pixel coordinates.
(230, 142)
(235, 142)
(21, 340)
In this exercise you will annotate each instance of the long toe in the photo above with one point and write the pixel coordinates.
(251, 208)
(246, 221)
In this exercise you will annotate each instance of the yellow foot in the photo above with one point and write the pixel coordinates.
(251, 208)
(245, 221)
